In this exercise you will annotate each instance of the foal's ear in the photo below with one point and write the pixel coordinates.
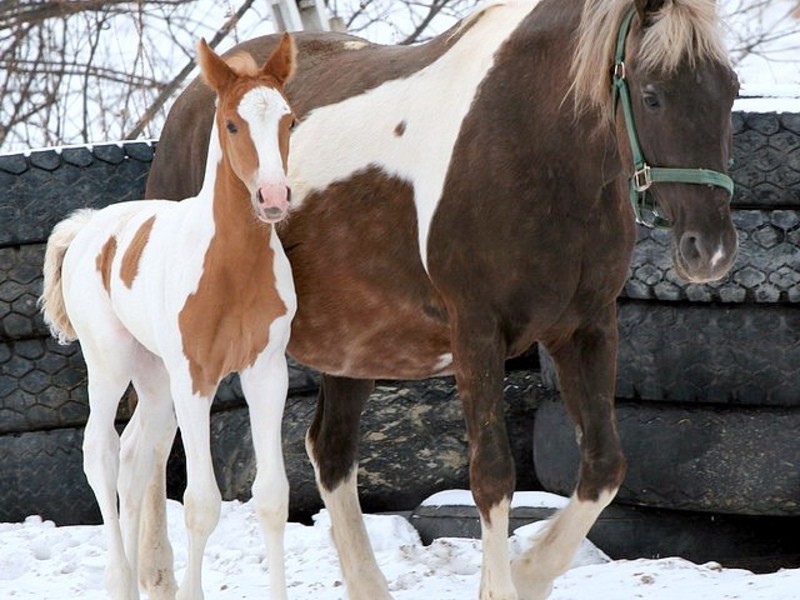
(647, 8)
(282, 63)
(215, 71)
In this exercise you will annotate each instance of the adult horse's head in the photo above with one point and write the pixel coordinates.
(254, 120)
(670, 96)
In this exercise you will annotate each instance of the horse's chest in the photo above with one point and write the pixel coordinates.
(225, 324)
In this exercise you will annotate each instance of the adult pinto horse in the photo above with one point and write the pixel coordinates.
(144, 286)
(458, 201)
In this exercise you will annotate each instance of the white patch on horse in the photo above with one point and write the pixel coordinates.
(262, 109)
(338, 140)
(445, 360)
(496, 579)
(718, 256)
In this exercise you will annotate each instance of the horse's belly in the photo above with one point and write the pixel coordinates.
(377, 339)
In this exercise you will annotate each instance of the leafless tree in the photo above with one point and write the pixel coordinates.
(76, 71)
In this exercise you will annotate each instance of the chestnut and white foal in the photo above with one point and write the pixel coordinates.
(174, 296)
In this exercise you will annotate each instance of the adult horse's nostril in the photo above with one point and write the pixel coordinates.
(690, 247)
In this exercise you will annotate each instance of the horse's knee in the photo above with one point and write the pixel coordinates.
(601, 473)
(271, 495)
(492, 475)
(202, 509)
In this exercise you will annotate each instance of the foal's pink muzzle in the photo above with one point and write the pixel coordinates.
(272, 202)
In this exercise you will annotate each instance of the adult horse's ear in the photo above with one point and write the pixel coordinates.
(215, 71)
(647, 8)
(282, 63)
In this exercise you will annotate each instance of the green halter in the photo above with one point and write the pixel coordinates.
(643, 174)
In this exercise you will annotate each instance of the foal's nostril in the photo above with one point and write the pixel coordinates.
(260, 197)
(289, 195)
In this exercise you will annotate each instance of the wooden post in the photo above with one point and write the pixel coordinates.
(299, 15)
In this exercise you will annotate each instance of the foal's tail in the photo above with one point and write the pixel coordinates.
(52, 299)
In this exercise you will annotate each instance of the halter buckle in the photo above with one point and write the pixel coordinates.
(642, 179)
(619, 70)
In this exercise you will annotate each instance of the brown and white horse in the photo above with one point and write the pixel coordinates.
(174, 297)
(457, 201)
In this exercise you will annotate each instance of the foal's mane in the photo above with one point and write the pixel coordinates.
(682, 29)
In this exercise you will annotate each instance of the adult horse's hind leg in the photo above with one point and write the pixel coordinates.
(586, 366)
(146, 439)
(479, 366)
(265, 385)
(332, 445)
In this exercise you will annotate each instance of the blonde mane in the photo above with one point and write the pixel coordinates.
(682, 29)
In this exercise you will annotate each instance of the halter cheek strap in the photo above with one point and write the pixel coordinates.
(644, 176)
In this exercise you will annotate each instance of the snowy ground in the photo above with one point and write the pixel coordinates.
(41, 561)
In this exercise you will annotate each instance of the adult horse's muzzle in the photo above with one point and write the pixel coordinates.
(704, 247)
(271, 202)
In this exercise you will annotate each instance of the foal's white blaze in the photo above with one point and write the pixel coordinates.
(263, 108)
(341, 139)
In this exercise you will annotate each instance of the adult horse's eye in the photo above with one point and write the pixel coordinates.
(651, 100)
(231, 127)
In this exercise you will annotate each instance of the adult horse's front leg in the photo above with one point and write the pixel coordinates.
(332, 446)
(586, 365)
(479, 367)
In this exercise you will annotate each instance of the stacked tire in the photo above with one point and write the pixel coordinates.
(708, 376)
(43, 405)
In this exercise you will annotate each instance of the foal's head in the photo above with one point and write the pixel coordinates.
(254, 122)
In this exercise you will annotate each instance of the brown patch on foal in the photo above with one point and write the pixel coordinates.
(104, 261)
(225, 323)
(130, 261)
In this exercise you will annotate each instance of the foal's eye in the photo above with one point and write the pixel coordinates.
(651, 100)
(231, 127)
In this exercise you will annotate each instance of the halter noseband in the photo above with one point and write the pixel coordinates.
(643, 174)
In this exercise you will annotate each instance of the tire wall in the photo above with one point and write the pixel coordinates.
(43, 405)
(708, 376)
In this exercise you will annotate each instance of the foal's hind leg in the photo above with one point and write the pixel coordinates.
(146, 438)
(108, 377)
(265, 385)
(332, 445)
(586, 370)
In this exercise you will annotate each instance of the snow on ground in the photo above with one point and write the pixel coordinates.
(40, 561)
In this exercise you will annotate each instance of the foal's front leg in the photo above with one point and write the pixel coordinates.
(265, 386)
(480, 370)
(202, 499)
(586, 366)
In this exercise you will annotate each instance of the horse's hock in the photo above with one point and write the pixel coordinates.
(709, 372)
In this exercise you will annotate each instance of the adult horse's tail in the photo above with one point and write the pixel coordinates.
(52, 299)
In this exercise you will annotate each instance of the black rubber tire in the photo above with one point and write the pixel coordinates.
(20, 288)
(760, 544)
(734, 354)
(766, 152)
(42, 188)
(42, 474)
(413, 443)
(687, 457)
